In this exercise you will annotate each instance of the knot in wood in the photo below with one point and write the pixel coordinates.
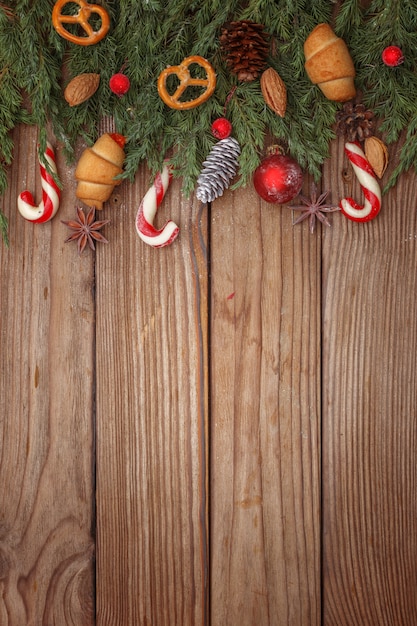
(347, 175)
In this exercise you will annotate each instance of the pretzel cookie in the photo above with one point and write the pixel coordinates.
(182, 72)
(82, 18)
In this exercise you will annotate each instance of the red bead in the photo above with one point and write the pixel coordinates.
(221, 128)
(119, 84)
(392, 56)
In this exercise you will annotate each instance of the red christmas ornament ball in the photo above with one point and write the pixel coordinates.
(278, 178)
(392, 56)
(119, 84)
(221, 128)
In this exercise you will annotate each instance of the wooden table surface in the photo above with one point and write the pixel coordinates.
(221, 432)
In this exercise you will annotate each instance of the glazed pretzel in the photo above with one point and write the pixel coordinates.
(82, 18)
(186, 80)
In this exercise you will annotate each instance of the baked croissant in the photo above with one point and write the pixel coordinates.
(97, 169)
(329, 64)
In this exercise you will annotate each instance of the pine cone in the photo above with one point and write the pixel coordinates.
(355, 122)
(219, 169)
(245, 45)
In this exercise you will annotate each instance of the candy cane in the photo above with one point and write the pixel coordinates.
(369, 185)
(147, 211)
(51, 194)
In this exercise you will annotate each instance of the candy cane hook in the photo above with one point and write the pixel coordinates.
(369, 185)
(51, 193)
(147, 211)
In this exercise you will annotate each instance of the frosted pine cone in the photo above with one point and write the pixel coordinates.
(219, 169)
(245, 47)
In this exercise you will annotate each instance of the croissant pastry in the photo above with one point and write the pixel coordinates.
(329, 64)
(97, 169)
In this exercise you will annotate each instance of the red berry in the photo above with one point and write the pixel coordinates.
(392, 56)
(119, 84)
(119, 139)
(221, 128)
(278, 178)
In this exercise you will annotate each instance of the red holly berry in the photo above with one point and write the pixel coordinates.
(392, 56)
(119, 84)
(221, 128)
(278, 178)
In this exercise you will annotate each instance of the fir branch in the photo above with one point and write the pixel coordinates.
(7, 11)
(349, 17)
(408, 155)
(4, 225)
(145, 37)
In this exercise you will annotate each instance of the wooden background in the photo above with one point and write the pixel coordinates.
(221, 432)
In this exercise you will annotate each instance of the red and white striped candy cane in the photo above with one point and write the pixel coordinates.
(51, 194)
(369, 185)
(147, 211)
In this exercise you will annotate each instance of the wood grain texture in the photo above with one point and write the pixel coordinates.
(152, 418)
(253, 406)
(369, 410)
(265, 415)
(46, 352)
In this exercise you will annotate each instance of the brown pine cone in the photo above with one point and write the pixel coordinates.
(245, 46)
(355, 122)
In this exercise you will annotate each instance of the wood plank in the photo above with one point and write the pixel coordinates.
(152, 414)
(152, 398)
(265, 415)
(46, 434)
(369, 410)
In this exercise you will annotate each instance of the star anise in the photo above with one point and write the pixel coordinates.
(86, 229)
(313, 208)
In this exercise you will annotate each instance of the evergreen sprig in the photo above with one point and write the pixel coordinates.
(145, 37)
(4, 224)
(388, 91)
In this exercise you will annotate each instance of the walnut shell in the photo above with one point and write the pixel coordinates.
(377, 154)
(274, 91)
(80, 88)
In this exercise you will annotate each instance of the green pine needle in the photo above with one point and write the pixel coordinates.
(4, 225)
(145, 37)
